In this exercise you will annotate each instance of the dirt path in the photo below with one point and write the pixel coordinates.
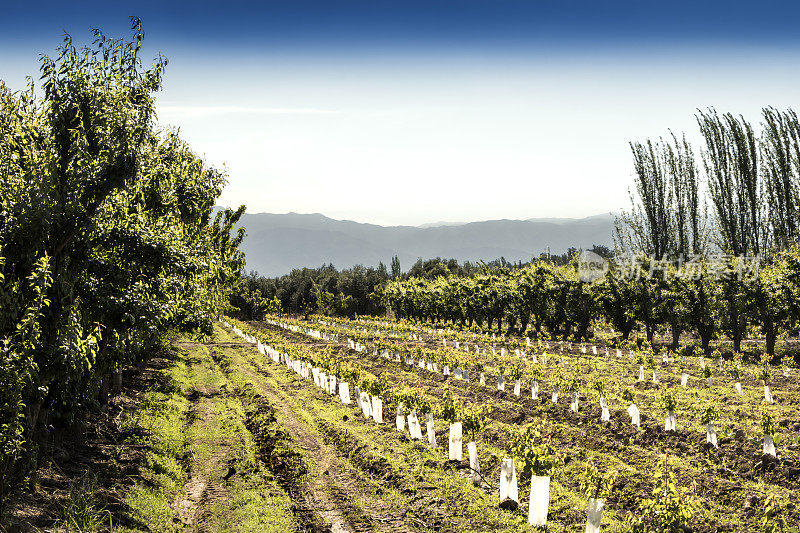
(332, 491)
(203, 489)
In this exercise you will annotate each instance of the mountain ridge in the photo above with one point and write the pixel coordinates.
(277, 243)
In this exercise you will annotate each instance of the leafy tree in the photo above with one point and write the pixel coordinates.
(107, 236)
(780, 147)
(731, 164)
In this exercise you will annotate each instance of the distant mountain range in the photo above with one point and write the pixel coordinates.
(277, 243)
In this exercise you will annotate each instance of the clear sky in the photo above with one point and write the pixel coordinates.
(411, 112)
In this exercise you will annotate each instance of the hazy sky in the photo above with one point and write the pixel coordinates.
(411, 112)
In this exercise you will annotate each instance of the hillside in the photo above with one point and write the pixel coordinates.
(277, 243)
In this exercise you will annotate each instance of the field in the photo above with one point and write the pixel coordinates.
(729, 483)
(218, 436)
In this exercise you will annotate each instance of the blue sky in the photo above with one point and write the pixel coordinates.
(412, 112)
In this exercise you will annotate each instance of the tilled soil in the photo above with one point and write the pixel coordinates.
(724, 476)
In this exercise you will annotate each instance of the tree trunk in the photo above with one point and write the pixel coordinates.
(676, 336)
(771, 340)
(523, 327)
(705, 340)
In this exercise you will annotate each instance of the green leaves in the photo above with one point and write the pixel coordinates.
(474, 420)
(709, 414)
(595, 484)
(668, 401)
(669, 509)
(106, 229)
(534, 450)
(767, 425)
(447, 409)
(773, 520)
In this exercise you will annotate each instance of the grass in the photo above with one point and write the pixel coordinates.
(193, 429)
(80, 512)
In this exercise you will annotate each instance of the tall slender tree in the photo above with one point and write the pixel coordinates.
(731, 163)
(780, 149)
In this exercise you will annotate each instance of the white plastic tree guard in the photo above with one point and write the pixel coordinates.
(767, 395)
(501, 382)
(400, 420)
(413, 426)
(357, 393)
(474, 467)
(641, 373)
(508, 480)
(684, 379)
(483, 379)
(332, 384)
(535, 390)
(366, 408)
(540, 501)
(455, 446)
(769, 446)
(655, 375)
(574, 404)
(594, 515)
(669, 422)
(711, 434)
(431, 431)
(554, 395)
(344, 392)
(636, 418)
(605, 415)
(738, 387)
(446, 371)
(377, 410)
(517, 387)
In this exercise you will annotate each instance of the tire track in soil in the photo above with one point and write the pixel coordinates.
(200, 491)
(333, 493)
